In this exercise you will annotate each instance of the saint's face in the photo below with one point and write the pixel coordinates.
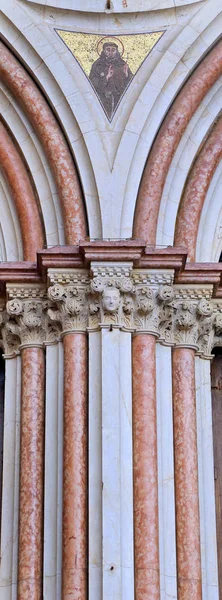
(111, 299)
(110, 52)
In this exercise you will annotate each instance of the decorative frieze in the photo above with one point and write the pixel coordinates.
(111, 296)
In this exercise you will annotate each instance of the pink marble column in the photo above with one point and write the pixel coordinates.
(186, 475)
(75, 468)
(31, 475)
(147, 585)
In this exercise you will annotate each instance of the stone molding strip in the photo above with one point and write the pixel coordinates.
(53, 141)
(77, 257)
(195, 191)
(23, 195)
(167, 140)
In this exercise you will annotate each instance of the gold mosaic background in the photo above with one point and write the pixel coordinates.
(84, 47)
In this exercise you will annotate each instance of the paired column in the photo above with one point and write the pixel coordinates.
(33, 322)
(68, 311)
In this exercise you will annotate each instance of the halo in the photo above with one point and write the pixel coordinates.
(111, 39)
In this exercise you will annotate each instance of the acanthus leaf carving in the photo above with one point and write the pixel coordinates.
(68, 307)
(185, 325)
(166, 313)
(146, 316)
(26, 321)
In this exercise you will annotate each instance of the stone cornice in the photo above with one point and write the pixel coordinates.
(134, 251)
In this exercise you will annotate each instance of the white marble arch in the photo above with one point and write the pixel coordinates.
(190, 33)
(37, 163)
(11, 248)
(209, 240)
(116, 6)
(188, 148)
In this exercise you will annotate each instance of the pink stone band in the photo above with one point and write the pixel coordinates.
(167, 140)
(51, 137)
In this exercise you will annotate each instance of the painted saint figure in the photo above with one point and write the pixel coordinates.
(110, 75)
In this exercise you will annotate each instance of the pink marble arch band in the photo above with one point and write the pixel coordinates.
(167, 140)
(23, 195)
(195, 191)
(186, 475)
(147, 583)
(52, 139)
(31, 475)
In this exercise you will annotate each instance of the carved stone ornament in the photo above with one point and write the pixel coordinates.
(115, 297)
(26, 321)
(111, 299)
(68, 307)
(9, 342)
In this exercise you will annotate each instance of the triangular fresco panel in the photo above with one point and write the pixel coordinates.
(109, 62)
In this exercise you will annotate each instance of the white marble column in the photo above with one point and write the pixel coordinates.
(10, 497)
(110, 467)
(53, 473)
(95, 467)
(206, 480)
(166, 496)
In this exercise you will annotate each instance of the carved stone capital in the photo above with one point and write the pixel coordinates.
(68, 303)
(9, 341)
(27, 318)
(26, 321)
(111, 296)
(198, 322)
(185, 325)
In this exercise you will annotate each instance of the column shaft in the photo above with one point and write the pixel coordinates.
(147, 584)
(75, 468)
(186, 475)
(31, 475)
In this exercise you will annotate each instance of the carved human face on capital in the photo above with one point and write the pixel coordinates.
(111, 299)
